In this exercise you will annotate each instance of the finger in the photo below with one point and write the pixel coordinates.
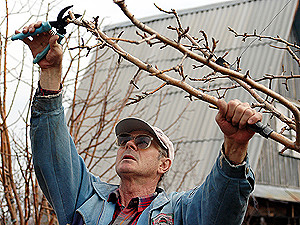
(232, 105)
(37, 24)
(25, 30)
(53, 41)
(220, 117)
(31, 28)
(222, 105)
(255, 118)
(55, 53)
(239, 112)
(25, 40)
(248, 113)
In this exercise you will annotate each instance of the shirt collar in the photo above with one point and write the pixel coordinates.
(113, 196)
(140, 203)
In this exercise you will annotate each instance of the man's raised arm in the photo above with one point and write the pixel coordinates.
(61, 172)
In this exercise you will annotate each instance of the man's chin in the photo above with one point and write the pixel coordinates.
(125, 167)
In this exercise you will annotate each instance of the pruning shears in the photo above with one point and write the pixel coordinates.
(59, 24)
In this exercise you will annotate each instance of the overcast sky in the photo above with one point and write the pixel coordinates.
(21, 10)
(140, 8)
(102, 8)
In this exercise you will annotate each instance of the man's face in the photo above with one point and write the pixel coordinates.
(134, 162)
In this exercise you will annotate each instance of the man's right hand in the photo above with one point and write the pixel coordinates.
(51, 64)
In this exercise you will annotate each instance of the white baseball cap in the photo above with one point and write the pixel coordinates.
(131, 124)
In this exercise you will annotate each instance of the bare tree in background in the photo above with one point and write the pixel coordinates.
(200, 50)
(21, 201)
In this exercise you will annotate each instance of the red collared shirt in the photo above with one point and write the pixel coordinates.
(130, 214)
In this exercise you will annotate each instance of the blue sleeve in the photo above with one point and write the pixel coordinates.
(61, 172)
(221, 199)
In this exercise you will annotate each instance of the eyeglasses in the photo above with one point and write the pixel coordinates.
(142, 141)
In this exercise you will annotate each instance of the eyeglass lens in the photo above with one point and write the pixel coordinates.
(141, 141)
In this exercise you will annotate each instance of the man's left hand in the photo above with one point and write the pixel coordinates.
(233, 118)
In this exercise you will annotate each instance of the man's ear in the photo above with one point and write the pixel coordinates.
(164, 166)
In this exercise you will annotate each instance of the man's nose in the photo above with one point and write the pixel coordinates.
(131, 145)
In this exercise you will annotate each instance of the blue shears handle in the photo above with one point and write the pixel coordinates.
(43, 28)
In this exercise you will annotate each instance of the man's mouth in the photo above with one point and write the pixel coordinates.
(128, 157)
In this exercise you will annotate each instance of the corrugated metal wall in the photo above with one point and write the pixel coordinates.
(196, 135)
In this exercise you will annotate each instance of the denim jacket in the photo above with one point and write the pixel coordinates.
(70, 187)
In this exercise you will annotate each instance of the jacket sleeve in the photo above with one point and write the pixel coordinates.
(221, 199)
(61, 172)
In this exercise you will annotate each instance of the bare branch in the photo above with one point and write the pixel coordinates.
(277, 39)
(190, 54)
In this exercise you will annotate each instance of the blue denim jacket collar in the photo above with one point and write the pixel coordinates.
(104, 189)
(161, 200)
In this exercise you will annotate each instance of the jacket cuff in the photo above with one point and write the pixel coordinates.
(47, 103)
(44, 92)
(240, 171)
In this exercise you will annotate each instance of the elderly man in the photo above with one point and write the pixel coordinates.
(145, 154)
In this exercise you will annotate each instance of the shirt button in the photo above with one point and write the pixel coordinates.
(247, 170)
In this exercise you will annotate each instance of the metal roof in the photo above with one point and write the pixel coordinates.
(196, 135)
(277, 193)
